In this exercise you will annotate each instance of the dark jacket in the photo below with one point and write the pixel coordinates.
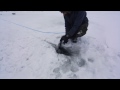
(74, 20)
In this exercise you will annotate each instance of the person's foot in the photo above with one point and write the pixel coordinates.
(74, 40)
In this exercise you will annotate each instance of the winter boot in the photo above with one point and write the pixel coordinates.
(74, 40)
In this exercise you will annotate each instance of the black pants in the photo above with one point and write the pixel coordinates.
(81, 31)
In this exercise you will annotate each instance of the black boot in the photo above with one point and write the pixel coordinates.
(74, 40)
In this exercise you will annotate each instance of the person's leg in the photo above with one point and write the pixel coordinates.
(81, 32)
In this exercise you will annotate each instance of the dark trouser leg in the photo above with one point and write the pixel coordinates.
(81, 32)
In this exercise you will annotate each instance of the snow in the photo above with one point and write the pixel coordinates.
(26, 54)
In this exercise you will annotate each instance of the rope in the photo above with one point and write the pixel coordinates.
(33, 29)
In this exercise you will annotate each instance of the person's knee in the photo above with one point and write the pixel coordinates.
(82, 30)
(84, 27)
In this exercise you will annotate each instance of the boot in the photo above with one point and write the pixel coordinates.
(74, 40)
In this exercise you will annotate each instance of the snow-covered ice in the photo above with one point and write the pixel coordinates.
(25, 52)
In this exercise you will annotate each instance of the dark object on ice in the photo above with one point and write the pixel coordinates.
(62, 50)
(13, 13)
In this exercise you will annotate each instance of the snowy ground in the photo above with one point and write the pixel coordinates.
(25, 53)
